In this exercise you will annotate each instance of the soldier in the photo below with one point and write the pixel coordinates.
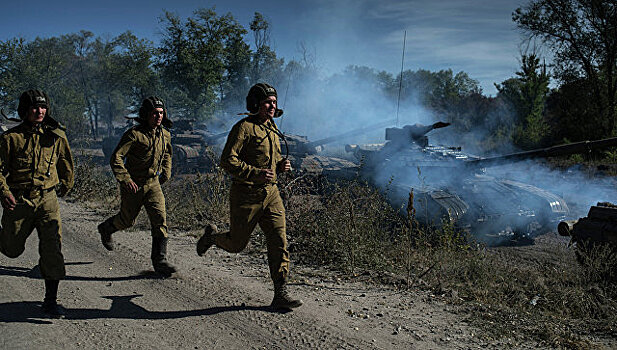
(141, 163)
(252, 156)
(36, 167)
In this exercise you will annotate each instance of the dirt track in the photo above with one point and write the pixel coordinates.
(115, 301)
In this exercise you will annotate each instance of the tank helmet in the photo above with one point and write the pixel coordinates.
(32, 98)
(148, 105)
(258, 93)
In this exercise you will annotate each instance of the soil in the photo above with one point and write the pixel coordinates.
(220, 301)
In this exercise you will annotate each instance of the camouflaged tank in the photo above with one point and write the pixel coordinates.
(451, 185)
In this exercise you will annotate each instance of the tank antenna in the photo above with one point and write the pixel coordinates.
(400, 82)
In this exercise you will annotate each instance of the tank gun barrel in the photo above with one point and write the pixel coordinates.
(350, 133)
(213, 138)
(559, 150)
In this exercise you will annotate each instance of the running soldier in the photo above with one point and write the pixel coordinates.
(36, 167)
(252, 156)
(142, 163)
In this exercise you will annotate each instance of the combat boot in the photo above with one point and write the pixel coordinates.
(159, 257)
(106, 228)
(207, 240)
(50, 304)
(282, 300)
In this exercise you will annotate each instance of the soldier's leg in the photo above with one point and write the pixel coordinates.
(17, 225)
(273, 225)
(245, 209)
(49, 227)
(130, 205)
(154, 202)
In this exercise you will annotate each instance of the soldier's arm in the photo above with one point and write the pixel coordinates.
(4, 157)
(230, 160)
(167, 158)
(117, 158)
(65, 168)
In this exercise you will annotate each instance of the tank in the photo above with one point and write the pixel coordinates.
(598, 228)
(192, 148)
(451, 185)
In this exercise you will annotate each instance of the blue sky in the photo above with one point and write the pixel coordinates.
(475, 36)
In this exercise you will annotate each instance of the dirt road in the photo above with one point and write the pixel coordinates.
(220, 301)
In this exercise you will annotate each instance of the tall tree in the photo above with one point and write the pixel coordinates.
(527, 95)
(583, 36)
(194, 58)
(266, 67)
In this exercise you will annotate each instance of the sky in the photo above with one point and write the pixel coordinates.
(474, 36)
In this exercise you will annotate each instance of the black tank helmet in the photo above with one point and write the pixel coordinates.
(33, 98)
(258, 93)
(150, 104)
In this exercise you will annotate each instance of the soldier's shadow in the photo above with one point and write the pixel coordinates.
(122, 307)
(35, 273)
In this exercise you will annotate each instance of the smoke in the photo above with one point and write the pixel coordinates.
(581, 188)
(320, 108)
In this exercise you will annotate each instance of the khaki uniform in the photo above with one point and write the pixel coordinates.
(33, 160)
(251, 147)
(143, 156)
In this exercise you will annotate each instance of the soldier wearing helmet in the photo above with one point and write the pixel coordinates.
(36, 167)
(142, 163)
(252, 156)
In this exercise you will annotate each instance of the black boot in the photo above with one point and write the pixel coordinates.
(50, 303)
(207, 240)
(159, 257)
(282, 300)
(106, 228)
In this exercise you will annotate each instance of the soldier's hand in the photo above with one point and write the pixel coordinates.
(265, 175)
(284, 165)
(131, 187)
(8, 202)
(61, 190)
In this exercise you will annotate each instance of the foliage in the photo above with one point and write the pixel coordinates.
(581, 35)
(195, 56)
(93, 184)
(527, 94)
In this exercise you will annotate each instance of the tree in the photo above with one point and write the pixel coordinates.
(119, 75)
(266, 67)
(527, 95)
(47, 64)
(195, 57)
(582, 35)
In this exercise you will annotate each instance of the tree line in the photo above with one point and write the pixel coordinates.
(205, 64)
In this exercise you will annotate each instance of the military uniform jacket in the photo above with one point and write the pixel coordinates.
(34, 157)
(142, 153)
(250, 147)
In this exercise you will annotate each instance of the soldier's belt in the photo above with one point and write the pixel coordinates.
(31, 193)
(253, 186)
